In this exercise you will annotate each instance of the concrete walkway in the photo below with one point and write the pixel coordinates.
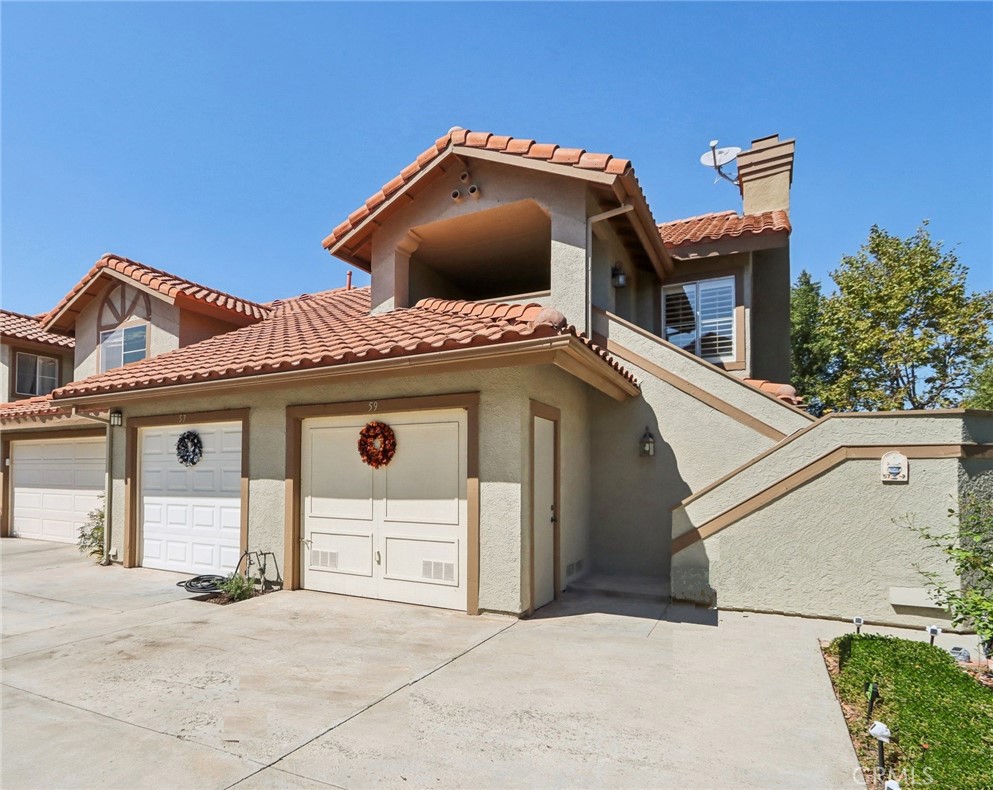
(115, 679)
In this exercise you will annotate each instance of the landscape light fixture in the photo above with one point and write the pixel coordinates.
(933, 631)
(891, 784)
(646, 445)
(858, 624)
(116, 419)
(617, 276)
(882, 734)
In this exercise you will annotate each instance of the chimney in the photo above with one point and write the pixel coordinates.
(765, 173)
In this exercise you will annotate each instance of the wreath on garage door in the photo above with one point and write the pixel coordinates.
(377, 444)
(189, 448)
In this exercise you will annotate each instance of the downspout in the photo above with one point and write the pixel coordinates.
(107, 492)
(614, 212)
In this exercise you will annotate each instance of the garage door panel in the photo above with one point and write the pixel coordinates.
(423, 482)
(340, 483)
(421, 560)
(55, 484)
(342, 552)
(191, 516)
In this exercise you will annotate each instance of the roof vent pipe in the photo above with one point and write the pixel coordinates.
(348, 280)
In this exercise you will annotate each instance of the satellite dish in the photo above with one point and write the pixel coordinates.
(718, 157)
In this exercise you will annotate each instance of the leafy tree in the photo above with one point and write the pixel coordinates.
(969, 548)
(980, 392)
(809, 353)
(902, 330)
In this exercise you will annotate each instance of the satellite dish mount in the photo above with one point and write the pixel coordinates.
(717, 158)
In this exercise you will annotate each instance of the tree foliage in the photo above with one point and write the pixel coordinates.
(980, 392)
(969, 548)
(810, 355)
(901, 332)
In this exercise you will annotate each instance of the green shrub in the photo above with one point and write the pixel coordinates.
(91, 534)
(238, 587)
(941, 717)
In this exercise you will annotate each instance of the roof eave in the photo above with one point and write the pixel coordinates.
(565, 351)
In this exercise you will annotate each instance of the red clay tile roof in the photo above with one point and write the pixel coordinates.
(329, 329)
(30, 408)
(722, 225)
(164, 283)
(18, 326)
(511, 146)
(784, 392)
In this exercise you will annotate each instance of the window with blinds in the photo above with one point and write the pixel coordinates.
(699, 317)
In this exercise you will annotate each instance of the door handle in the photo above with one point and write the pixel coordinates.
(379, 560)
(305, 541)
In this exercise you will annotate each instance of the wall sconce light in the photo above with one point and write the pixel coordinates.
(116, 419)
(646, 445)
(617, 276)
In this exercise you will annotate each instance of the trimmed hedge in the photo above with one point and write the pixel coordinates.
(941, 717)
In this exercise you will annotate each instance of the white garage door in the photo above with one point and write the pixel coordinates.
(55, 485)
(398, 532)
(191, 516)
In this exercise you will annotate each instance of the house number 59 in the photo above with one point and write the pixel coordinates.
(374, 405)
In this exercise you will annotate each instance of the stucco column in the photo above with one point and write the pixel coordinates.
(568, 259)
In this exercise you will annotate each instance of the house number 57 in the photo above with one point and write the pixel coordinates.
(374, 405)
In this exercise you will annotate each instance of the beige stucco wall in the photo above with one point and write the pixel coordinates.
(886, 430)
(504, 447)
(832, 548)
(633, 496)
(163, 331)
(563, 200)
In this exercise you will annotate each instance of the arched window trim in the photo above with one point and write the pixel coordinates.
(117, 309)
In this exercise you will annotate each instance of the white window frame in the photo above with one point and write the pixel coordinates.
(37, 373)
(695, 284)
(105, 336)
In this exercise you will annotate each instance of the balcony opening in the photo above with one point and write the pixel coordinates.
(499, 253)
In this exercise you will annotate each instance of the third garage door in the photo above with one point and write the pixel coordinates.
(398, 532)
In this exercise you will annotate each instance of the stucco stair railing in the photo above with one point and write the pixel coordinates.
(791, 463)
(653, 356)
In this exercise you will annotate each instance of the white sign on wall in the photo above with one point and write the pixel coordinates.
(894, 468)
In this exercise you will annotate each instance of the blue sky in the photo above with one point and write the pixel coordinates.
(223, 141)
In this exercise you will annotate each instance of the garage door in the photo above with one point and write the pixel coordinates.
(55, 485)
(191, 515)
(397, 532)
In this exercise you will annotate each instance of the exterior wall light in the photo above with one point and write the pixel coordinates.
(617, 276)
(646, 446)
(116, 419)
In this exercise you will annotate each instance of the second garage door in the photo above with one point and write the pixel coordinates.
(398, 532)
(191, 515)
(55, 485)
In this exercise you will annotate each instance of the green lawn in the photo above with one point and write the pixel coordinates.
(941, 717)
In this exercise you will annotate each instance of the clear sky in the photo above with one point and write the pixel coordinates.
(223, 141)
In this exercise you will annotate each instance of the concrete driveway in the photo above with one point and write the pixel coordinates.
(115, 679)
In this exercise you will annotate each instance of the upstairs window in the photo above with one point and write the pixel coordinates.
(699, 317)
(122, 346)
(36, 375)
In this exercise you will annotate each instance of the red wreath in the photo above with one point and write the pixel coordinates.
(377, 444)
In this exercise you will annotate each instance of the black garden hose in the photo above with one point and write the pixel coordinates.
(202, 584)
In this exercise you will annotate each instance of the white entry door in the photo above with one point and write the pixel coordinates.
(191, 515)
(55, 485)
(543, 515)
(397, 532)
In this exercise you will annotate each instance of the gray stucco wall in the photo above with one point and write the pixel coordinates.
(833, 548)
(503, 454)
(163, 331)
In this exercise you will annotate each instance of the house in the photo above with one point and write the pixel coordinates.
(541, 388)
